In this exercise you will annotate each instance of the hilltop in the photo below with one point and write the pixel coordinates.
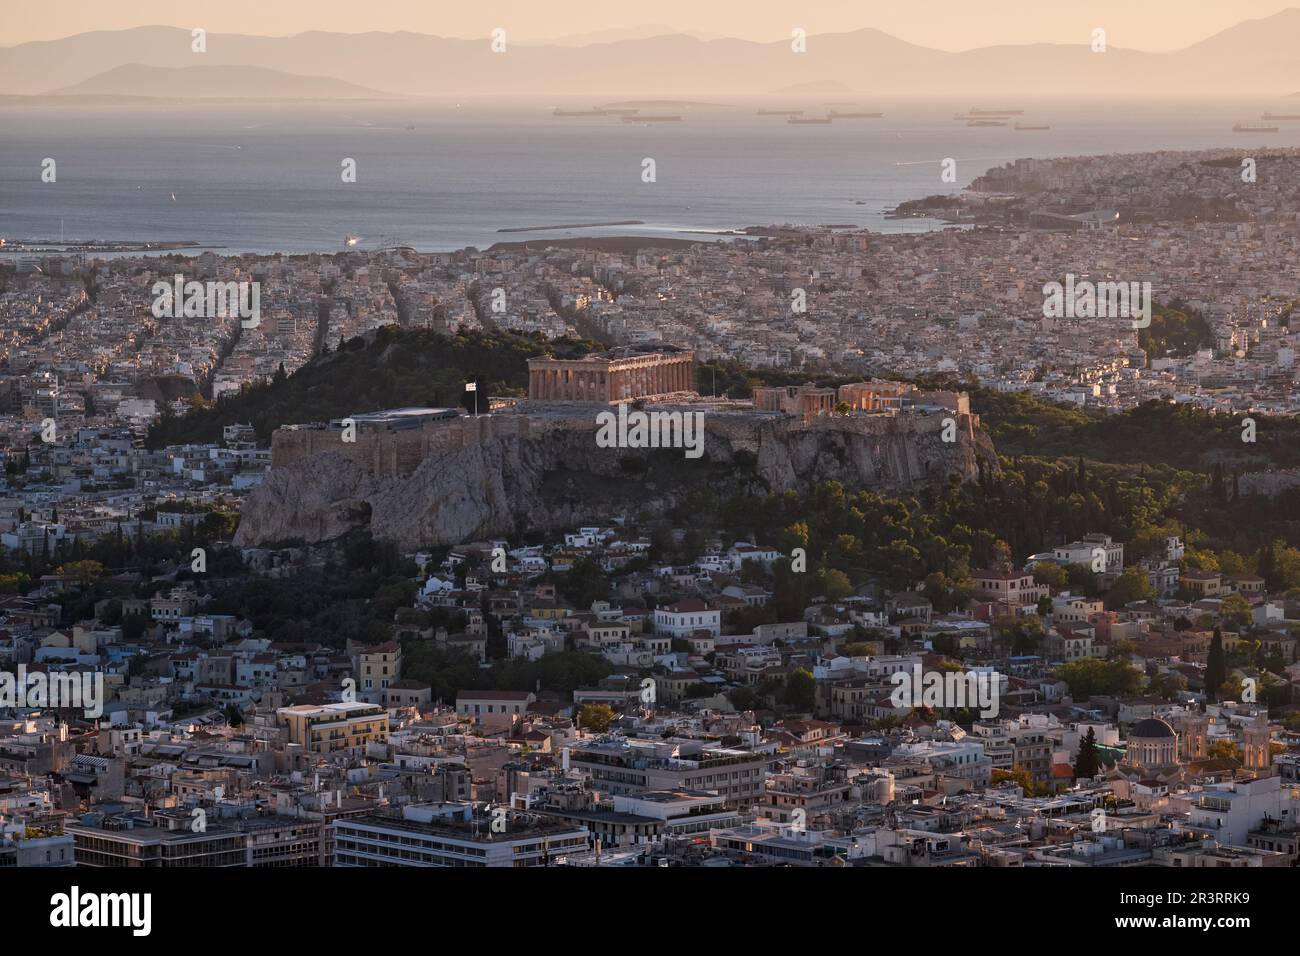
(391, 368)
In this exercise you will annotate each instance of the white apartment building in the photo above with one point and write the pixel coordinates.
(686, 617)
(1229, 811)
(1090, 548)
(452, 834)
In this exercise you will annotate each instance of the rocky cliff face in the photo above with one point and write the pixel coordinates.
(554, 475)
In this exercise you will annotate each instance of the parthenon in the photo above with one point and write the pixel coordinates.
(621, 374)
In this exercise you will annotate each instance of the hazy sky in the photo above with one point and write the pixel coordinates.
(946, 24)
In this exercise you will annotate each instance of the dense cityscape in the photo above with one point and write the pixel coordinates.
(775, 439)
(839, 673)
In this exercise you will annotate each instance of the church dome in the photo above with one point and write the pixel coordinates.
(1152, 728)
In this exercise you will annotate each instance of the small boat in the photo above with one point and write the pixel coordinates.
(1250, 128)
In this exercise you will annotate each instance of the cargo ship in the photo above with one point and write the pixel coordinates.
(985, 122)
(652, 119)
(836, 114)
(780, 112)
(560, 112)
(993, 114)
(820, 120)
(1250, 128)
(1281, 116)
(1030, 126)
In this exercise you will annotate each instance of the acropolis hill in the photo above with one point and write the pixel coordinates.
(431, 477)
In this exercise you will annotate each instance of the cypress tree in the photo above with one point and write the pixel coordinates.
(1088, 763)
(1215, 668)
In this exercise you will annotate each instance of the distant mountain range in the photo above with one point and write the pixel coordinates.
(1256, 57)
(640, 32)
(210, 82)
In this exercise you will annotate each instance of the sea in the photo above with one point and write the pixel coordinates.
(442, 175)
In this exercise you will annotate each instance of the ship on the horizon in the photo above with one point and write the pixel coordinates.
(1031, 126)
(652, 119)
(804, 121)
(1251, 128)
(780, 112)
(836, 114)
(986, 122)
(993, 114)
(1280, 116)
(591, 112)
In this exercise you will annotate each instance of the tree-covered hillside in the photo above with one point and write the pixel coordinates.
(392, 368)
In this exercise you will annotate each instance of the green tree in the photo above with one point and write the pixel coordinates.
(1215, 666)
(1224, 750)
(833, 584)
(1051, 574)
(595, 717)
(1235, 610)
(1088, 678)
(801, 691)
(1132, 585)
(1088, 763)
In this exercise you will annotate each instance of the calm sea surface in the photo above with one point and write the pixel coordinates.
(444, 176)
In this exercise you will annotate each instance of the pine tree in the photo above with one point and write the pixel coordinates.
(1268, 565)
(1215, 668)
(1088, 763)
